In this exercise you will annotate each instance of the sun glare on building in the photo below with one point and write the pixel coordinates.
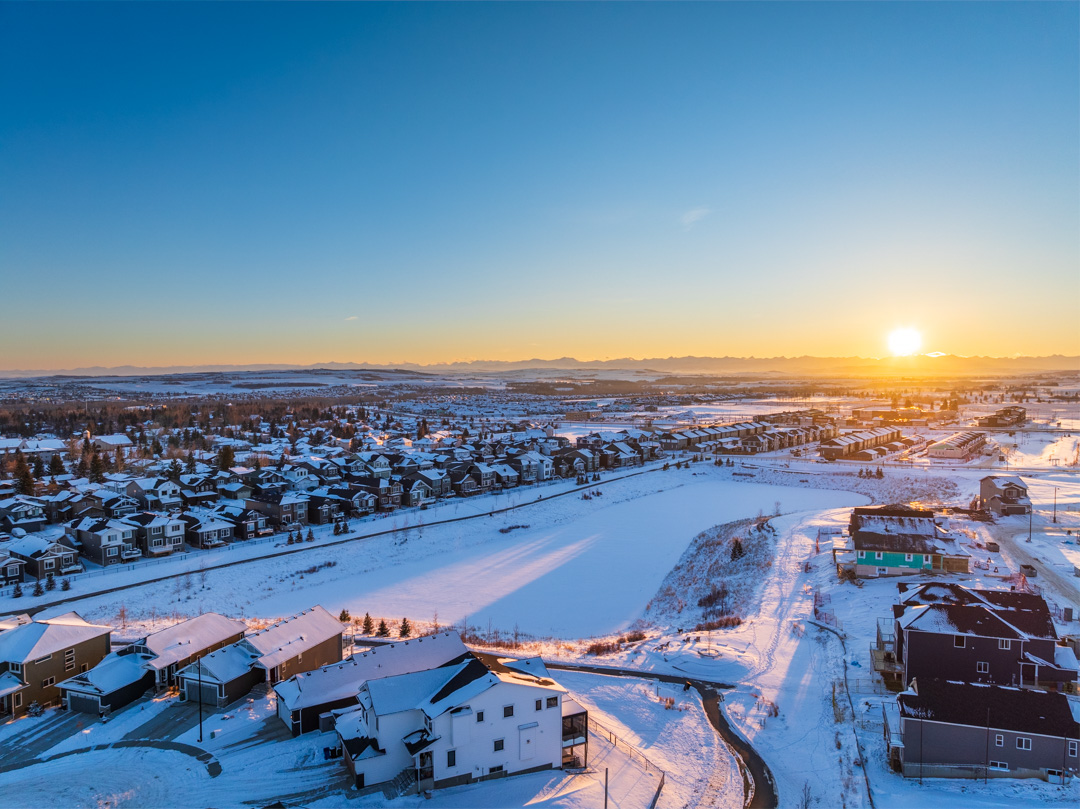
(904, 342)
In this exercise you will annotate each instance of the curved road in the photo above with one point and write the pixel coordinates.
(752, 765)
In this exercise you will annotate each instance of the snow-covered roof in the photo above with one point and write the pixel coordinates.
(291, 636)
(342, 680)
(46, 636)
(182, 640)
(115, 671)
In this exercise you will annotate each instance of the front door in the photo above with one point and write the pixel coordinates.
(426, 773)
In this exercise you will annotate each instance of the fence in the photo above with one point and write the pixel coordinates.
(635, 755)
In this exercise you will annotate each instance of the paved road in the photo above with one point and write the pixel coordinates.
(764, 787)
(35, 736)
(1015, 540)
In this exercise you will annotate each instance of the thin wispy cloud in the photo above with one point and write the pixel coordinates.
(353, 317)
(693, 216)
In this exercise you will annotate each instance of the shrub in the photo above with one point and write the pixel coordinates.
(723, 622)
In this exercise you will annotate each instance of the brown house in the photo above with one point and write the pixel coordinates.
(36, 656)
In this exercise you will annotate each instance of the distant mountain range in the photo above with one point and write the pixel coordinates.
(938, 364)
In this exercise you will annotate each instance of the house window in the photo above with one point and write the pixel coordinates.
(479, 716)
(878, 555)
(44, 659)
(862, 554)
(908, 557)
(1023, 743)
(553, 702)
(982, 668)
(157, 543)
(539, 704)
(16, 668)
(497, 768)
(451, 758)
(999, 765)
(18, 700)
(508, 710)
(49, 564)
(1004, 644)
(1073, 743)
(110, 551)
(499, 745)
(958, 641)
(999, 740)
(69, 660)
(47, 682)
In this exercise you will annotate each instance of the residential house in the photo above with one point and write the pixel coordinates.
(157, 534)
(43, 557)
(1004, 495)
(205, 529)
(22, 511)
(155, 494)
(948, 729)
(36, 656)
(304, 698)
(983, 636)
(247, 523)
(280, 508)
(11, 568)
(105, 542)
(306, 641)
(480, 718)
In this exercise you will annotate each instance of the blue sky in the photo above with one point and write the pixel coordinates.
(203, 183)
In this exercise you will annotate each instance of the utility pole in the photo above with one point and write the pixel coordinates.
(605, 787)
(1031, 512)
(198, 663)
(1055, 503)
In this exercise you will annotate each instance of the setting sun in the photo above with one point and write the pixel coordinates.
(904, 342)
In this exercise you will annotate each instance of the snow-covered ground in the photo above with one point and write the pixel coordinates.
(586, 567)
(581, 567)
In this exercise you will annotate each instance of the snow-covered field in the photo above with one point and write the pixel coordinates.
(581, 567)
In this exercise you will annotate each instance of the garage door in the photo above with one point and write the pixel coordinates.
(83, 703)
(209, 691)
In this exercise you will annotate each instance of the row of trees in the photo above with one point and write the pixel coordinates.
(368, 626)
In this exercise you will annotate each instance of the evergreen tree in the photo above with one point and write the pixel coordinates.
(156, 447)
(17, 592)
(310, 535)
(190, 464)
(226, 457)
(383, 631)
(174, 471)
(257, 466)
(39, 467)
(24, 478)
(406, 628)
(56, 466)
(344, 617)
(82, 469)
(38, 589)
(369, 625)
(65, 584)
(737, 550)
(337, 529)
(880, 473)
(50, 582)
(97, 468)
